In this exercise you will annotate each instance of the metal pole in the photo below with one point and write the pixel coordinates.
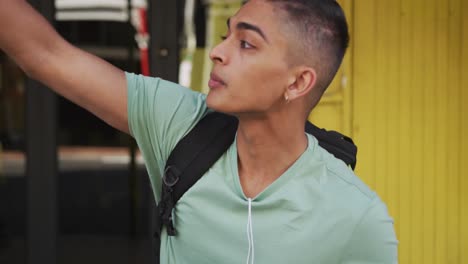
(41, 164)
(164, 29)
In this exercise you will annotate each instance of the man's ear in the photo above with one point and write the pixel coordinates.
(301, 83)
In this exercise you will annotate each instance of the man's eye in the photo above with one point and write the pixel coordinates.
(245, 45)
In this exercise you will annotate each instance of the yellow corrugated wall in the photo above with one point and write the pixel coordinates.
(409, 62)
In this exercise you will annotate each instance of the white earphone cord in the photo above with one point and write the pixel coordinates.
(251, 251)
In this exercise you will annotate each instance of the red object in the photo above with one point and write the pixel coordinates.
(144, 62)
(143, 39)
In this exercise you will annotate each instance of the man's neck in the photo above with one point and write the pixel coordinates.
(266, 149)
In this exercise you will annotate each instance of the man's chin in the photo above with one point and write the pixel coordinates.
(214, 106)
(217, 105)
(213, 102)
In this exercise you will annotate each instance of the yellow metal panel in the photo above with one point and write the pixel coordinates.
(410, 120)
(428, 177)
(196, 80)
(364, 50)
(452, 132)
(416, 132)
(391, 181)
(380, 98)
(463, 138)
(440, 130)
(322, 114)
(404, 165)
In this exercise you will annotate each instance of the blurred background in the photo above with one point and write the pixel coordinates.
(74, 190)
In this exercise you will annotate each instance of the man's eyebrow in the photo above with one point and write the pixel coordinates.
(247, 26)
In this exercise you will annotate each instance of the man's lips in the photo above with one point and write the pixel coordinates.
(215, 81)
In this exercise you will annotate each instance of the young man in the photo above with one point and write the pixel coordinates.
(298, 203)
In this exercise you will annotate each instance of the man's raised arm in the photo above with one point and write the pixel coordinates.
(45, 56)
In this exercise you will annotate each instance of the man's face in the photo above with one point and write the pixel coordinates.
(250, 74)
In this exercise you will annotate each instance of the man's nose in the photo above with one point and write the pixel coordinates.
(218, 53)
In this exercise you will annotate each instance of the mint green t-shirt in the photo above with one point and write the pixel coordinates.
(318, 211)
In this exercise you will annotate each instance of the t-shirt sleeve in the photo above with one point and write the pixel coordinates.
(373, 240)
(160, 113)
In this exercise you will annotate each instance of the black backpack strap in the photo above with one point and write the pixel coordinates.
(191, 158)
(341, 146)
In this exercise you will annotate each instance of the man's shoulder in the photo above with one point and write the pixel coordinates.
(366, 213)
(137, 82)
(160, 114)
(340, 183)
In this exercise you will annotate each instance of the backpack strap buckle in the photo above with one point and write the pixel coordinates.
(171, 176)
(166, 205)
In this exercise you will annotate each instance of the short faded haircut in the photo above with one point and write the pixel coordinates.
(320, 35)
